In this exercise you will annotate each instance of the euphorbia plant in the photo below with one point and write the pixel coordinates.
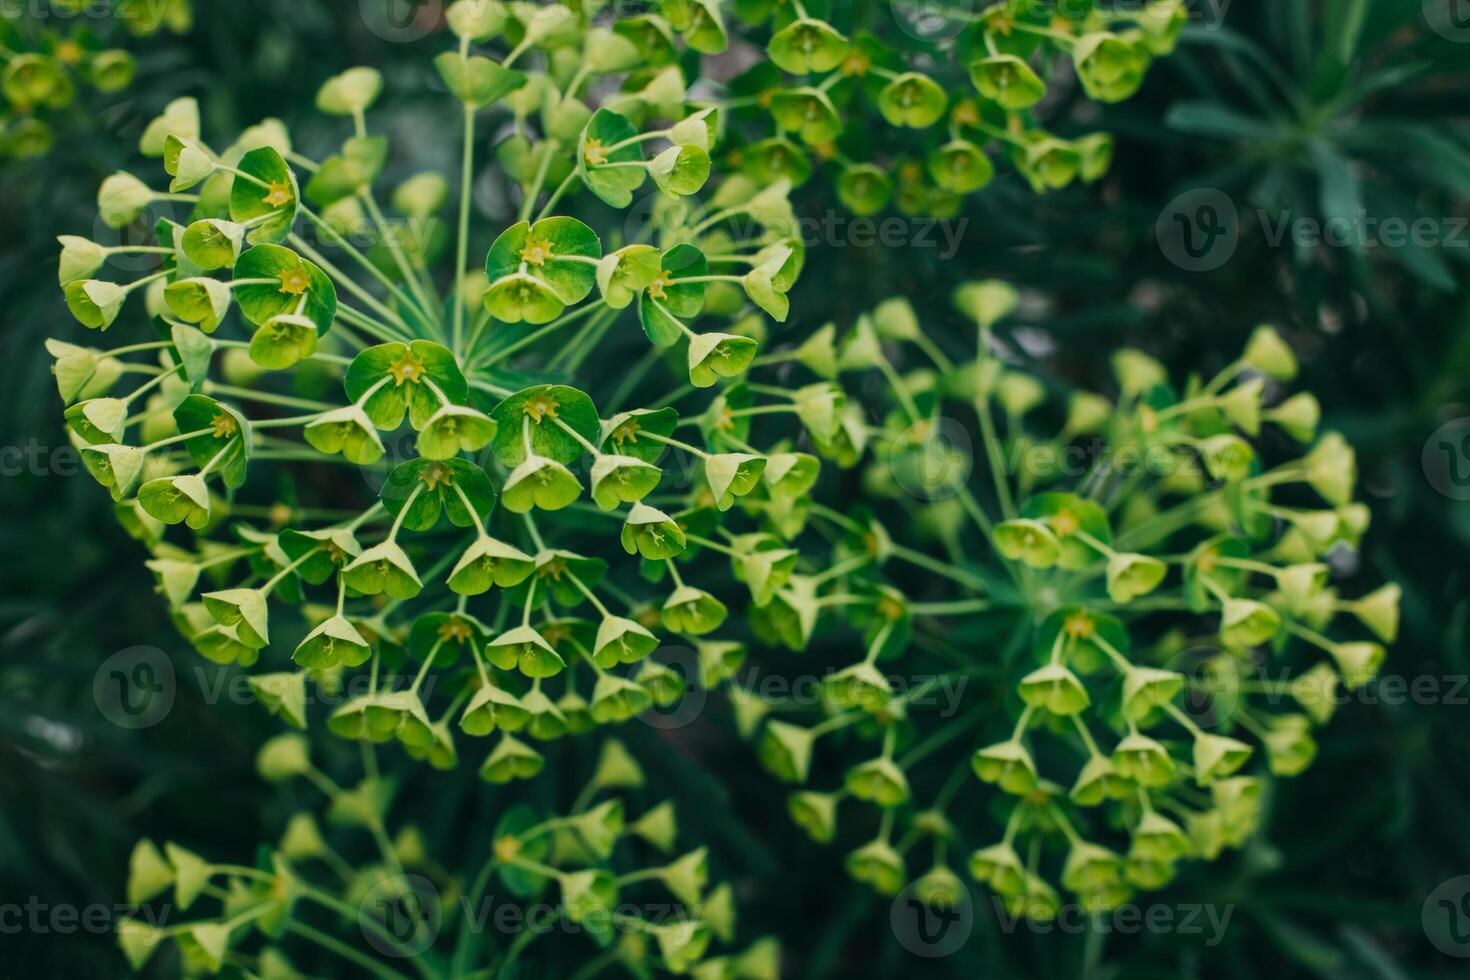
(47, 57)
(559, 518)
(1152, 600)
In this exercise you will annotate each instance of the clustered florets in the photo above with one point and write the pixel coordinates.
(557, 627)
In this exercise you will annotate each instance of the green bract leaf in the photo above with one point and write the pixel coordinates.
(419, 376)
(808, 112)
(912, 99)
(383, 568)
(489, 562)
(203, 301)
(213, 243)
(667, 302)
(476, 80)
(621, 275)
(219, 437)
(348, 431)
(349, 93)
(535, 421)
(732, 475)
(95, 303)
(807, 45)
(536, 271)
(179, 118)
(1008, 80)
(960, 166)
(266, 198)
(639, 433)
(680, 170)
(713, 356)
(608, 160)
(622, 480)
(652, 533)
(419, 490)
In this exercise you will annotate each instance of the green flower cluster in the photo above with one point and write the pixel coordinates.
(313, 886)
(883, 111)
(299, 328)
(44, 66)
(1154, 605)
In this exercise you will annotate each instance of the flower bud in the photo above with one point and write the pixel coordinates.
(1269, 354)
(816, 813)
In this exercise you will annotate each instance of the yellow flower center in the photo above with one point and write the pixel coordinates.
(856, 63)
(594, 152)
(69, 52)
(506, 848)
(1064, 524)
(657, 288)
(406, 369)
(553, 569)
(1079, 626)
(279, 515)
(456, 631)
(539, 407)
(224, 426)
(295, 281)
(278, 194)
(627, 432)
(966, 113)
(436, 474)
(536, 251)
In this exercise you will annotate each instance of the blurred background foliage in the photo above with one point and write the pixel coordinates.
(1299, 109)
